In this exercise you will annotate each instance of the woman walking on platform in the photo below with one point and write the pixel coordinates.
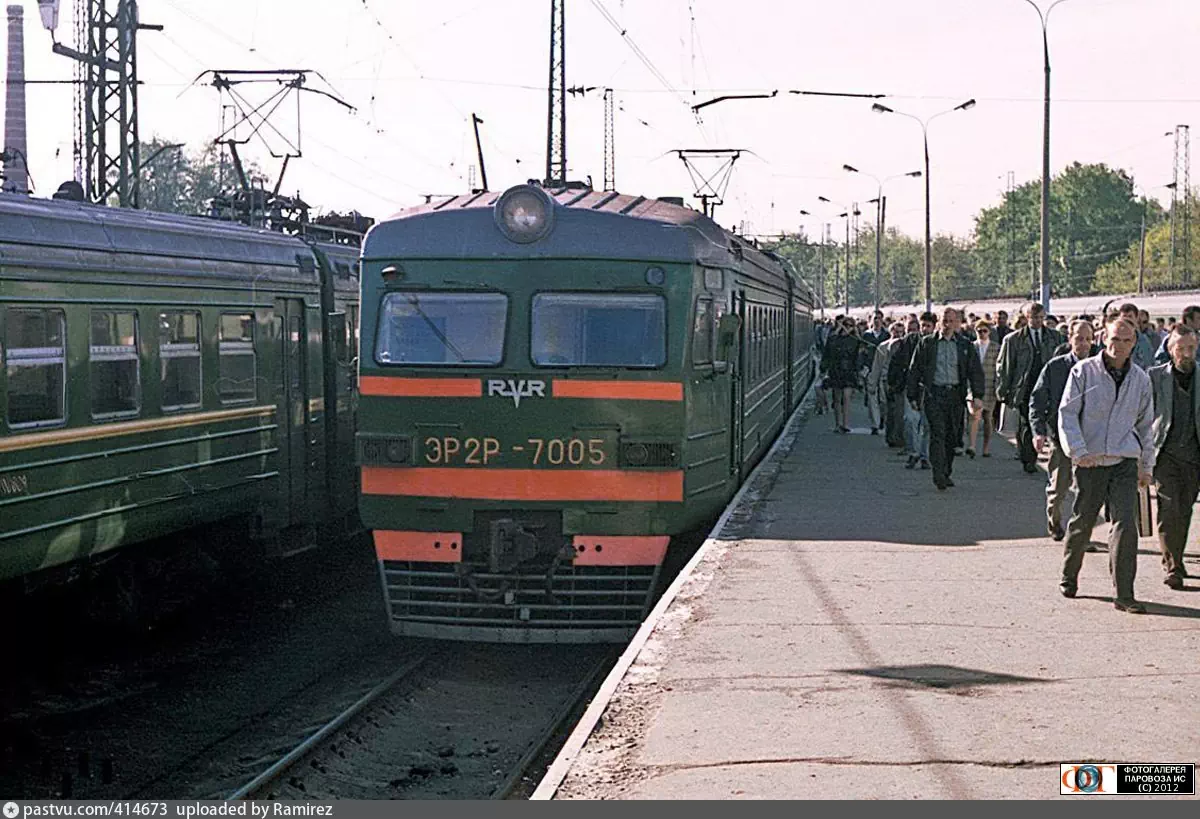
(988, 351)
(840, 365)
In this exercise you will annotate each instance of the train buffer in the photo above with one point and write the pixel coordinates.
(850, 632)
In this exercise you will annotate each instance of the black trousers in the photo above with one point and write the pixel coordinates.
(894, 417)
(1025, 433)
(1177, 484)
(943, 410)
(1116, 486)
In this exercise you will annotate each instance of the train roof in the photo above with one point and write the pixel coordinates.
(81, 226)
(462, 227)
(82, 236)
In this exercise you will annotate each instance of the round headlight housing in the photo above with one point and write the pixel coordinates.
(525, 214)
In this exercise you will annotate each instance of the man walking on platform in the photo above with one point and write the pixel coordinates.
(1191, 319)
(1043, 417)
(916, 430)
(1022, 356)
(1104, 423)
(889, 406)
(1176, 448)
(943, 365)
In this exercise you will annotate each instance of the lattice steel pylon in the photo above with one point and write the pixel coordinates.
(1181, 208)
(107, 159)
(556, 108)
(610, 155)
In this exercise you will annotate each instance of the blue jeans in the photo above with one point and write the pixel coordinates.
(916, 432)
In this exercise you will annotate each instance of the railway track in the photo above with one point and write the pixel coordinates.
(476, 722)
(260, 785)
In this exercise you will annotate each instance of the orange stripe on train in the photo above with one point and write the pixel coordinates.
(524, 484)
(420, 387)
(625, 390)
(427, 547)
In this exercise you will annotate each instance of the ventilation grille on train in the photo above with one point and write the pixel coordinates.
(466, 602)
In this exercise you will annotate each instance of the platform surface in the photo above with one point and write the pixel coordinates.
(853, 633)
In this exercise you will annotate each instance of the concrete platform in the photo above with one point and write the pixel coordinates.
(852, 633)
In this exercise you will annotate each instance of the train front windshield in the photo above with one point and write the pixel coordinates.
(442, 329)
(598, 330)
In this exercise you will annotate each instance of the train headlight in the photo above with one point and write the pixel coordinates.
(525, 214)
(636, 454)
(376, 450)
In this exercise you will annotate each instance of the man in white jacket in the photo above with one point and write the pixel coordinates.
(1104, 424)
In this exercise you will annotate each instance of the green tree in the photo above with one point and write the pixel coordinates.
(174, 181)
(1094, 217)
(1121, 274)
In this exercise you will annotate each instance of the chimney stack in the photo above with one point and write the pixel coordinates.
(15, 146)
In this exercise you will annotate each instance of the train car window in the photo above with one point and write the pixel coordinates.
(179, 351)
(599, 330)
(113, 364)
(442, 329)
(702, 333)
(36, 363)
(238, 364)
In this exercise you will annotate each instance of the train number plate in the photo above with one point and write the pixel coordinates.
(450, 450)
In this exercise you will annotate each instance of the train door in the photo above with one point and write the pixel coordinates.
(737, 385)
(293, 409)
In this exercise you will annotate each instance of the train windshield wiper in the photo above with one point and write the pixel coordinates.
(412, 299)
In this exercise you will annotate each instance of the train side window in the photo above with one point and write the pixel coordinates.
(179, 350)
(702, 333)
(238, 364)
(113, 364)
(36, 363)
(352, 329)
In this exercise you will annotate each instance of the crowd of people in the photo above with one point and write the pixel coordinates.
(1111, 399)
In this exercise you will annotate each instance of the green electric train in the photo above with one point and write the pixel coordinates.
(553, 383)
(162, 372)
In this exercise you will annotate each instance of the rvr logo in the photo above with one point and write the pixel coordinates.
(516, 390)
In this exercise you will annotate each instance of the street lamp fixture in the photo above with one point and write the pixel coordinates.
(880, 207)
(924, 123)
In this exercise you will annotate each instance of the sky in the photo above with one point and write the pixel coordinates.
(1123, 76)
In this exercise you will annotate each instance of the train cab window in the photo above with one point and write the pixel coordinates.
(702, 333)
(442, 329)
(35, 358)
(599, 330)
(237, 359)
(179, 350)
(113, 364)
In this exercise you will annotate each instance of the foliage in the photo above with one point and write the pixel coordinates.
(178, 182)
(1094, 217)
(1121, 274)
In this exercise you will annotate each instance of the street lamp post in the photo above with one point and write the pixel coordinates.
(1044, 280)
(850, 210)
(879, 202)
(883, 109)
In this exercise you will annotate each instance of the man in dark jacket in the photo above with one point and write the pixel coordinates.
(1043, 417)
(1191, 320)
(943, 365)
(1022, 356)
(1176, 448)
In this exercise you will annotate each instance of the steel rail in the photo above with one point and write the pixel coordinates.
(310, 744)
(554, 728)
